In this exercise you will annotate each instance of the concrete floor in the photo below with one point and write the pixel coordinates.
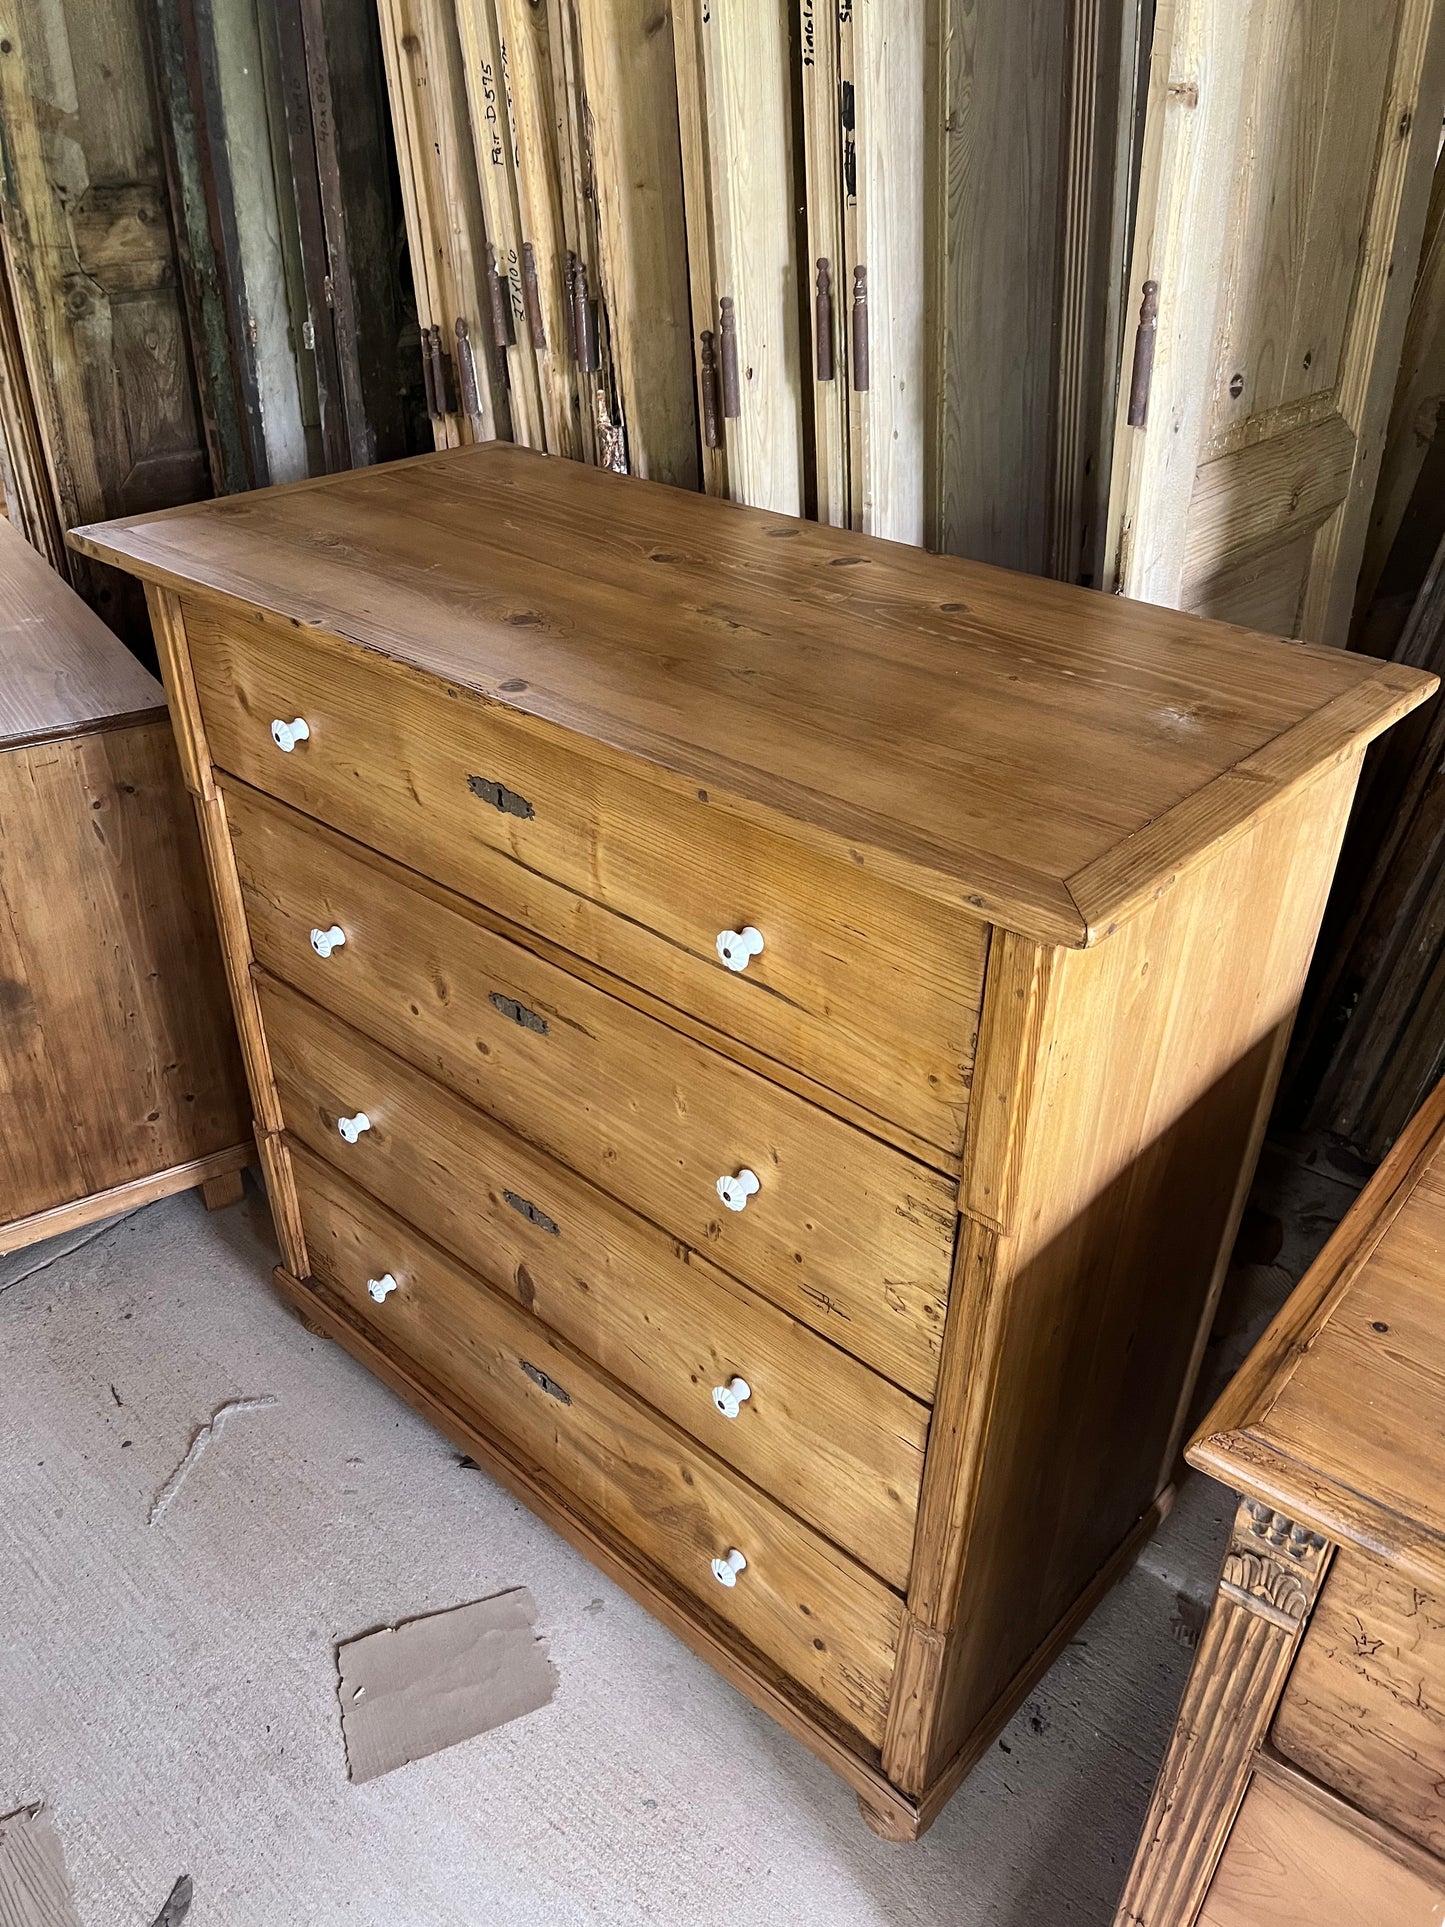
(170, 1689)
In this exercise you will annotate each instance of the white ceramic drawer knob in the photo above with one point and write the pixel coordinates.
(735, 1192)
(323, 942)
(737, 948)
(287, 735)
(351, 1128)
(381, 1288)
(729, 1398)
(726, 1571)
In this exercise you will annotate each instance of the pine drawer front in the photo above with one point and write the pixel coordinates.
(871, 992)
(843, 1231)
(829, 1624)
(1364, 1709)
(826, 1436)
(1295, 1857)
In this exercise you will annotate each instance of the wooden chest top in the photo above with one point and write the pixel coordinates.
(1338, 1417)
(61, 670)
(1046, 756)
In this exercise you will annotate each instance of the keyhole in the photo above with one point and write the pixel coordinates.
(1236, 386)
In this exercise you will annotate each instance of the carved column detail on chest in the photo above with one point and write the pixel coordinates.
(1272, 1572)
(1273, 1566)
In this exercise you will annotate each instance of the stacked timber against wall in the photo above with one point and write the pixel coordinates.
(694, 239)
(882, 261)
(876, 261)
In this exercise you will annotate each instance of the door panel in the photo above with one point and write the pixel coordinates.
(88, 249)
(1261, 592)
(1287, 164)
(735, 108)
(865, 210)
(1317, 75)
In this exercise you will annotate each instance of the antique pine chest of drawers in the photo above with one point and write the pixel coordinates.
(1305, 1780)
(762, 1034)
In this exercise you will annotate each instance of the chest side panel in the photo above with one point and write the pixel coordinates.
(1143, 1078)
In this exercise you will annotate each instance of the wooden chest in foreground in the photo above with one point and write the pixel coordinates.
(119, 1076)
(1306, 1777)
(760, 1033)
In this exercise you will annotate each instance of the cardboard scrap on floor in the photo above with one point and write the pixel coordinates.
(413, 1689)
(34, 1891)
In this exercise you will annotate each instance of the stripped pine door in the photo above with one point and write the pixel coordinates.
(501, 269)
(1286, 169)
(519, 58)
(997, 79)
(602, 438)
(864, 164)
(631, 161)
(734, 88)
(827, 149)
(467, 397)
(884, 223)
(1029, 132)
(543, 278)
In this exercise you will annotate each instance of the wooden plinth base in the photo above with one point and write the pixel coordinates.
(222, 1170)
